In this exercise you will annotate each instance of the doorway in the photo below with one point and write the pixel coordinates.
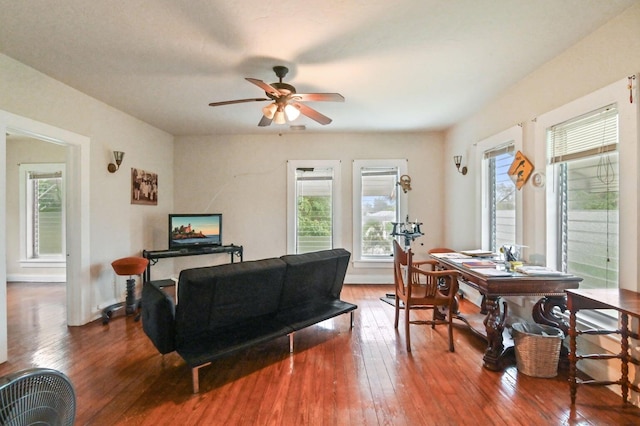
(35, 230)
(78, 216)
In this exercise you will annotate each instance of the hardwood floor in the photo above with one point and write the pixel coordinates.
(336, 376)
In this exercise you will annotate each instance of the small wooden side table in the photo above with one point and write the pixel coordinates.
(627, 303)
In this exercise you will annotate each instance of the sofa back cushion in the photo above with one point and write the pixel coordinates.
(213, 297)
(314, 276)
(158, 313)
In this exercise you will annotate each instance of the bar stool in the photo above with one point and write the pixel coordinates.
(126, 266)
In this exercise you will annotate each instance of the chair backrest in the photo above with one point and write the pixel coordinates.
(430, 282)
(405, 274)
(37, 396)
(400, 260)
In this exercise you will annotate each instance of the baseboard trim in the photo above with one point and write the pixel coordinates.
(27, 278)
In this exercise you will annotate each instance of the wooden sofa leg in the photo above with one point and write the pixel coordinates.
(290, 343)
(195, 378)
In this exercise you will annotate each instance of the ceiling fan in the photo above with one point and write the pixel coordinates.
(286, 102)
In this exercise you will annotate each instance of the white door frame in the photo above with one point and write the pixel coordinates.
(78, 217)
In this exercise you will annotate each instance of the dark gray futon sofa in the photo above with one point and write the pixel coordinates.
(227, 308)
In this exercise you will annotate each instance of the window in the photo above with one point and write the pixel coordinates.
(501, 191)
(42, 212)
(313, 206)
(500, 200)
(377, 203)
(583, 152)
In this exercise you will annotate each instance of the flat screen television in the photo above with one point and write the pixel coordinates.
(188, 231)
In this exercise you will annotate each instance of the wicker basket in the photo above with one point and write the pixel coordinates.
(537, 349)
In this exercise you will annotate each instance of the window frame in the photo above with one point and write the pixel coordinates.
(559, 166)
(402, 166)
(292, 206)
(618, 94)
(26, 260)
(511, 136)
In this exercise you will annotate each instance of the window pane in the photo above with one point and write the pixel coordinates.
(47, 217)
(502, 197)
(379, 208)
(590, 225)
(314, 222)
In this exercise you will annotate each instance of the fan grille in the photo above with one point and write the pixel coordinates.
(37, 396)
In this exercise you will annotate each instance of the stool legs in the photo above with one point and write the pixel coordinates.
(131, 304)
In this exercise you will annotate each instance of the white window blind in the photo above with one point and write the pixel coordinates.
(583, 136)
(379, 209)
(499, 151)
(314, 200)
(584, 151)
(46, 213)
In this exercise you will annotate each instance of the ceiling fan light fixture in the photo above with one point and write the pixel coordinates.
(292, 112)
(278, 117)
(270, 110)
(286, 104)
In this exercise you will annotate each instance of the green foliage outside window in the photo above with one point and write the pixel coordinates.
(314, 216)
(587, 200)
(375, 232)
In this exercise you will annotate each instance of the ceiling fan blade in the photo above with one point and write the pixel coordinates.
(264, 121)
(237, 101)
(264, 86)
(312, 113)
(319, 97)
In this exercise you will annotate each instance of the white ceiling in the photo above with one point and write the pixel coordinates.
(405, 65)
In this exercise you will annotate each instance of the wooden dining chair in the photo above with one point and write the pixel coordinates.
(419, 288)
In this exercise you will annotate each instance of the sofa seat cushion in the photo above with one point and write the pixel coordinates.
(305, 315)
(225, 341)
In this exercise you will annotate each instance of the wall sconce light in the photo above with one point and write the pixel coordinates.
(118, 156)
(458, 160)
(405, 183)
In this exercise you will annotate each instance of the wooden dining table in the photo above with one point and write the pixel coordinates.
(494, 284)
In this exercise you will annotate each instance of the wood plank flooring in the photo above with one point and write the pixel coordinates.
(337, 375)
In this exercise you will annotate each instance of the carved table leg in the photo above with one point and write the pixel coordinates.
(544, 312)
(494, 324)
(483, 305)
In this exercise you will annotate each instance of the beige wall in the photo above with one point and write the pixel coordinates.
(608, 55)
(245, 178)
(600, 59)
(117, 228)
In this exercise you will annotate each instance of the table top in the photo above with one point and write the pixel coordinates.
(511, 284)
(626, 301)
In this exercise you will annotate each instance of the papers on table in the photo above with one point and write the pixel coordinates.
(450, 255)
(492, 272)
(477, 253)
(479, 264)
(538, 270)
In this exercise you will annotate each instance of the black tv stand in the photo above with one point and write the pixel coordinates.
(155, 255)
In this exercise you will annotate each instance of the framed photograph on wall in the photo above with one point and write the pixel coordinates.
(144, 187)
